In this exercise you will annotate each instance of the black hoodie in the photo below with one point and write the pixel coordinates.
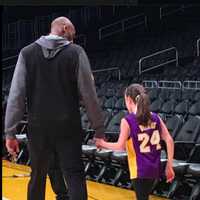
(51, 45)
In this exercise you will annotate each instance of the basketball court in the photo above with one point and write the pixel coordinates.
(15, 179)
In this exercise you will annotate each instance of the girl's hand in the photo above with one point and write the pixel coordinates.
(99, 142)
(169, 173)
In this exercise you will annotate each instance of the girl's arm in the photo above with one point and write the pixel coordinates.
(165, 135)
(121, 143)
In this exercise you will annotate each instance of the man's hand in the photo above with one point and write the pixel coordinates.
(12, 146)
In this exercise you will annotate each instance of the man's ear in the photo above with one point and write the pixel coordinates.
(65, 28)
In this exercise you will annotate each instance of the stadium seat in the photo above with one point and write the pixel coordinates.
(197, 97)
(164, 95)
(88, 157)
(110, 103)
(156, 106)
(184, 144)
(120, 164)
(188, 94)
(114, 124)
(175, 94)
(191, 178)
(182, 108)
(195, 109)
(85, 121)
(89, 149)
(107, 117)
(174, 124)
(168, 108)
(153, 94)
(194, 170)
(119, 105)
(102, 163)
(190, 130)
(102, 100)
(110, 92)
(102, 157)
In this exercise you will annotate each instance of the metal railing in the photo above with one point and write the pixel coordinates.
(18, 34)
(4, 41)
(12, 37)
(198, 45)
(41, 25)
(7, 72)
(170, 84)
(109, 69)
(8, 68)
(150, 84)
(162, 64)
(164, 12)
(122, 25)
(9, 58)
(9, 63)
(191, 85)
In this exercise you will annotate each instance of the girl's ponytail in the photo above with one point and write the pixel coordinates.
(143, 114)
(141, 99)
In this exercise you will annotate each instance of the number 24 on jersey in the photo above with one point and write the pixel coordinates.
(154, 139)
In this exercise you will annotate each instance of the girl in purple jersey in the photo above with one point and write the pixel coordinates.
(140, 133)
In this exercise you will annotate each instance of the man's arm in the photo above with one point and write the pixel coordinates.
(88, 94)
(16, 100)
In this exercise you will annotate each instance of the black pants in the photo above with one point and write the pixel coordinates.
(143, 188)
(64, 139)
(56, 179)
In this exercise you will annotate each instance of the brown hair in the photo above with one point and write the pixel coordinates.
(139, 96)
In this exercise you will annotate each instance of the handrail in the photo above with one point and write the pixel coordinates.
(122, 26)
(4, 39)
(198, 46)
(150, 84)
(170, 84)
(7, 68)
(9, 58)
(191, 85)
(162, 64)
(162, 14)
(109, 69)
(16, 29)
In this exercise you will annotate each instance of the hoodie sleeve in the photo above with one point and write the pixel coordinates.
(16, 101)
(88, 94)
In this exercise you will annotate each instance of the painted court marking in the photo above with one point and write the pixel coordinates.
(5, 198)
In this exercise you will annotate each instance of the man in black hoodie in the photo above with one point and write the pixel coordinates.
(53, 74)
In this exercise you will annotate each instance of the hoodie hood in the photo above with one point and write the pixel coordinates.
(51, 45)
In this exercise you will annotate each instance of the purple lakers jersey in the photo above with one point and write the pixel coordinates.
(143, 148)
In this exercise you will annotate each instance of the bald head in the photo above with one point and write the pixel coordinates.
(62, 26)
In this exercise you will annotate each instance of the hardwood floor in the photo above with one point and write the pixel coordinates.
(15, 187)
